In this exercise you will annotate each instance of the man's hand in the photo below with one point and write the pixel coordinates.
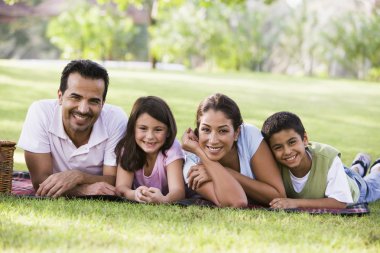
(197, 175)
(99, 188)
(57, 184)
(283, 203)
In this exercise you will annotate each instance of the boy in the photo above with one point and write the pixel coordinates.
(313, 173)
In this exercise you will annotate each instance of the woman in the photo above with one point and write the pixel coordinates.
(229, 160)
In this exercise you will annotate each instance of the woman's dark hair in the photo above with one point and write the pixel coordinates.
(87, 69)
(128, 154)
(220, 102)
(282, 121)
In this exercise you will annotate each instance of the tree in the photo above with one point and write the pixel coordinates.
(90, 31)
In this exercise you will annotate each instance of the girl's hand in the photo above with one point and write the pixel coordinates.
(283, 203)
(154, 195)
(197, 175)
(140, 193)
(190, 141)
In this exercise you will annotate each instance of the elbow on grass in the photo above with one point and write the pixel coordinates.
(237, 203)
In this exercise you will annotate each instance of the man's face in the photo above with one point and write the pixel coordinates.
(81, 103)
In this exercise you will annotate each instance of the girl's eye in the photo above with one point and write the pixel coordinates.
(159, 129)
(223, 131)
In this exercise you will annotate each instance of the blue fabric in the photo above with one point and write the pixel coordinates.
(369, 185)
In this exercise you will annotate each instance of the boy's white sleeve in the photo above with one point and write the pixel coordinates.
(337, 183)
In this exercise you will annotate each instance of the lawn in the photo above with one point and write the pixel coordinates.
(343, 113)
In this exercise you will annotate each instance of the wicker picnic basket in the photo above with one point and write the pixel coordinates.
(7, 149)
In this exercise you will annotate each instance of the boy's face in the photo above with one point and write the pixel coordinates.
(289, 149)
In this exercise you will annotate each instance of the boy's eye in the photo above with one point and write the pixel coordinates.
(276, 148)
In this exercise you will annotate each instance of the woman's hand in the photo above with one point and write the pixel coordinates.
(197, 176)
(190, 141)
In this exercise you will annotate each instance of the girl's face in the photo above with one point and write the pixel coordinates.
(216, 134)
(150, 134)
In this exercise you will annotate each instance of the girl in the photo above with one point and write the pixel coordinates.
(229, 160)
(149, 157)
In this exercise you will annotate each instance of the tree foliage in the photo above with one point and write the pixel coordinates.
(90, 31)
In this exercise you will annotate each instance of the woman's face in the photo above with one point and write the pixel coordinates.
(216, 134)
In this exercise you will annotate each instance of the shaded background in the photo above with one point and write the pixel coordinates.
(298, 37)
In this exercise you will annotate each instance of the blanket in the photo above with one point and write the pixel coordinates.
(22, 187)
(21, 183)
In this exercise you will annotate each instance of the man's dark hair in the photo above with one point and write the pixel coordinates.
(87, 69)
(282, 121)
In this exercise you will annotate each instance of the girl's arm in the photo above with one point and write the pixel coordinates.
(268, 184)
(124, 180)
(175, 182)
(284, 203)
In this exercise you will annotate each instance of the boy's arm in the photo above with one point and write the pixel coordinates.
(285, 203)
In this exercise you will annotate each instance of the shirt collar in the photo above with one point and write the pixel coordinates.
(98, 133)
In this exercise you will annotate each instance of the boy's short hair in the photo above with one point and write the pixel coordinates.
(282, 121)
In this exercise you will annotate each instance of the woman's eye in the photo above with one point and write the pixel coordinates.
(205, 130)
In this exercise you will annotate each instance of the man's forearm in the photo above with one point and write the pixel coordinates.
(91, 179)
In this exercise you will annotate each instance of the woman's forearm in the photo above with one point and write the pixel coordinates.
(256, 190)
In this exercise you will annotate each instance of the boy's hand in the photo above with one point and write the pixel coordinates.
(283, 203)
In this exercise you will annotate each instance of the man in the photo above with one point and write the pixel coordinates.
(69, 143)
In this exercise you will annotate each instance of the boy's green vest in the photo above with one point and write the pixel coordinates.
(322, 157)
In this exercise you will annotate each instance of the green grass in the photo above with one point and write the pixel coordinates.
(342, 113)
